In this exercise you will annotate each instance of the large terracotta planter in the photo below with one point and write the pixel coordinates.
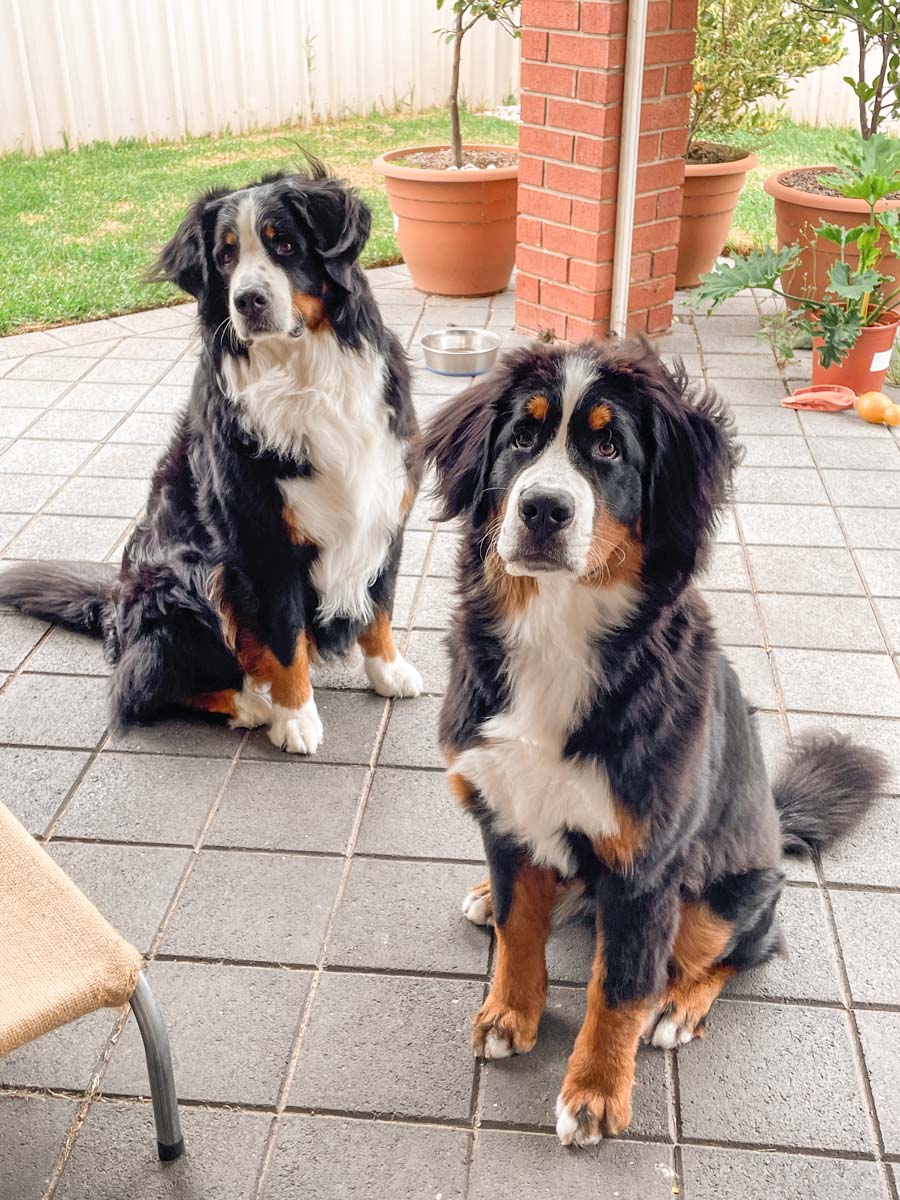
(456, 229)
(866, 365)
(796, 216)
(711, 192)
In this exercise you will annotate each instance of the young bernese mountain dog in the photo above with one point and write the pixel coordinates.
(591, 723)
(275, 521)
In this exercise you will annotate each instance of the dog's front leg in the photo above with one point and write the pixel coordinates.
(389, 673)
(295, 724)
(634, 936)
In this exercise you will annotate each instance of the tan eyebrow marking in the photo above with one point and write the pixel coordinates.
(599, 416)
(268, 230)
(538, 407)
(230, 239)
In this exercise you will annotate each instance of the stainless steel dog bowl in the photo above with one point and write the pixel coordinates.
(459, 351)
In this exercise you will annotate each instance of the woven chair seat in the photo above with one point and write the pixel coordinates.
(59, 958)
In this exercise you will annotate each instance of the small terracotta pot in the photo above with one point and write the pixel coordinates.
(456, 229)
(866, 365)
(711, 192)
(796, 216)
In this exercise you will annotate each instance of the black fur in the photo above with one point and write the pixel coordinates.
(215, 504)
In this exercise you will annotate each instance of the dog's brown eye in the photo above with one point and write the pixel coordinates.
(226, 255)
(606, 449)
(524, 439)
(284, 248)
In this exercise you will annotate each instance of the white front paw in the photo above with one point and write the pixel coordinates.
(395, 678)
(296, 730)
(251, 709)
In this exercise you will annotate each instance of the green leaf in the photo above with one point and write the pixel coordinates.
(760, 269)
(850, 284)
(839, 329)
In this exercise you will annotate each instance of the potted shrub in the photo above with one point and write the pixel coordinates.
(454, 206)
(853, 325)
(746, 49)
(805, 197)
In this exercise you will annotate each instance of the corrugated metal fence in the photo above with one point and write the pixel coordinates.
(74, 71)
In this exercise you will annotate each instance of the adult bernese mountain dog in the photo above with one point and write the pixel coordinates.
(591, 723)
(275, 521)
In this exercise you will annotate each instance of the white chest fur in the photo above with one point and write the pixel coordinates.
(308, 398)
(536, 794)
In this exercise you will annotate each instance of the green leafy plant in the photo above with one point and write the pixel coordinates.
(856, 296)
(467, 13)
(876, 24)
(748, 49)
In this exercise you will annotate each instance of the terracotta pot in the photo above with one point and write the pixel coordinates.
(798, 213)
(711, 193)
(866, 365)
(456, 229)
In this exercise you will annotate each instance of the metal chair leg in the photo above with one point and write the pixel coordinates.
(169, 1141)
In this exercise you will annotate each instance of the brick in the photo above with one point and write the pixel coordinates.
(533, 109)
(648, 295)
(665, 114)
(653, 83)
(640, 268)
(596, 152)
(581, 51)
(644, 209)
(664, 261)
(648, 147)
(600, 87)
(534, 45)
(535, 319)
(603, 16)
(546, 142)
(668, 204)
(657, 16)
(527, 286)
(580, 181)
(679, 79)
(544, 204)
(578, 243)
(593, 215)
(653, 177)
(673, 143)
(578, 330)
(668, 48)
(593, 277)
(659, 319)
(655, 235)
(528, 231)
(555, 81)
(550, 14)
(569, 300)
(584, 118)
(683, 14)
(531, 170)
(542, 264)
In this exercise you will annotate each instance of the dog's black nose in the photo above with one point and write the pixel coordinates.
(546, 512)
(251, 302)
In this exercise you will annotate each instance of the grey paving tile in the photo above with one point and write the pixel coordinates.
(406, 588)
(277, 912)
(415, 544)
(411, 738)
(123, 462)
(881, 570)
(95, 497)
(863, 489)
(126, 370)
(63, 1060)
(102, 397)
(755, 673)
(403, 1162)
(291, 806)
(27, 343)
(860, 454)
(746, 366)
(870, 528)
(8, 364)
(786, 525)
(230, 1029)
(821, 622)
(87, 332)
(745, 393)
(18, 636)
(406, 916)
(88, 539)
(166, 348)
(793, 1070)
(131, 885)
(165, 398)
(834, 681)
(149, 428)
(152, 320)
(27, 493)
(889, 612)
(868, 926)
(191, 736)
(351, 721)
(809, 971)
(33, 783)
(346, 671)
(735, 619)
(719, 1174)
(772, 737)
(428, 651)
(68, 653)
(803, 569)
(410, 1056)
(36, 457)
(443, 553)
(40, 710)
(29, 393)
(10, 526)
(435, 601)
(510, 1165)
(867, 855)
(60, 368)
(58, 425)
(839, 425)
(32, 1132)
(115, 1156)
(181, 373)
(143, 798)
(880, 1034)
(14, 421)
(775, 451)
(779, 485)
(412, 813)
(522, 1090)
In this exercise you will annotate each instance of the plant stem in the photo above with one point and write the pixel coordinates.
(455, 135)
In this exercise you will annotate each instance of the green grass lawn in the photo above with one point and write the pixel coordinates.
(79, 229)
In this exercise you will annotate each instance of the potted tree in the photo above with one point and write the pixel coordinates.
(454, 206)
(746, 49)
(806, 197)
(854, 323)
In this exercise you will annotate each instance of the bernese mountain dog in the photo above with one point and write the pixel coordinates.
(275, 520)
(593, 726)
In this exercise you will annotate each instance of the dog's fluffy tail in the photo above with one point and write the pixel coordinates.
(78, 595)
(823, 789)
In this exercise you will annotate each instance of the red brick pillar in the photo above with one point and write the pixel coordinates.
(573, 56)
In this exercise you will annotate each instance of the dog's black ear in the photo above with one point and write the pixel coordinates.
(338, 220)
(692, 454)
(184, 259)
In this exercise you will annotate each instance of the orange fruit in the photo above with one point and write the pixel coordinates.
(872, 407)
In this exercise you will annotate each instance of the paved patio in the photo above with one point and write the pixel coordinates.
(302, 918)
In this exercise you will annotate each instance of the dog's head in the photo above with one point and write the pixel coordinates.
(272, 258)
(576, 461)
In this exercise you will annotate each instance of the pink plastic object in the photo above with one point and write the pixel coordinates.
(823, 397)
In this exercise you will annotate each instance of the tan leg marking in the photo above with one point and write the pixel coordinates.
(698, 977)
(389, 672)
(377, 639)
(507, 1022)
(214, 702)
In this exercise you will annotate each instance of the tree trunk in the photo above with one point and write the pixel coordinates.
(455, 135)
